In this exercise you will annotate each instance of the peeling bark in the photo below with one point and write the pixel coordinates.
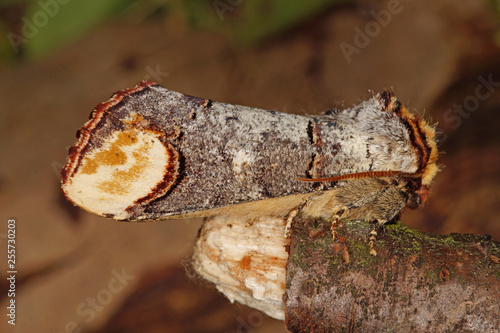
(417, 283)
(245, 259)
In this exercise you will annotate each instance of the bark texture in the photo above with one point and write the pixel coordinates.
(417, 283)
(245, 259)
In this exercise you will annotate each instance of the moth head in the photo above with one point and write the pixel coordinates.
(423, 137)
(418, 197)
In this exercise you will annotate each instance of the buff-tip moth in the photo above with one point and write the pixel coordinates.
(150, 153)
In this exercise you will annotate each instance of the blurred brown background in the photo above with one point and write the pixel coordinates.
(60, 58)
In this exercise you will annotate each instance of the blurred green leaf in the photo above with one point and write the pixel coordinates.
(65, 21)
(45, 24)
(35, 27)
(250, 21)
(496, 5)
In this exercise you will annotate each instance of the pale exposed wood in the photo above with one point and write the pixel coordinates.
(245, 259)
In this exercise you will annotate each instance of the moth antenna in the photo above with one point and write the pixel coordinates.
(360, 175)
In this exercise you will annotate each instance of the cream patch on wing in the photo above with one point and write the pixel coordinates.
(242, 159)
(128, 166)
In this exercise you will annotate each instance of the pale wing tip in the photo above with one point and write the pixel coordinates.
(112, 172)
(130, 168)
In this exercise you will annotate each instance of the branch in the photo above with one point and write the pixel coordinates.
(418, 282)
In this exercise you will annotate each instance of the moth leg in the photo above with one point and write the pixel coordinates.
(333, 228)
(335, 219)
(290, 218)
(373, 236)
(294, 212)
(371, 242)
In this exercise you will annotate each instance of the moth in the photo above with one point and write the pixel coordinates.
(150, 153)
